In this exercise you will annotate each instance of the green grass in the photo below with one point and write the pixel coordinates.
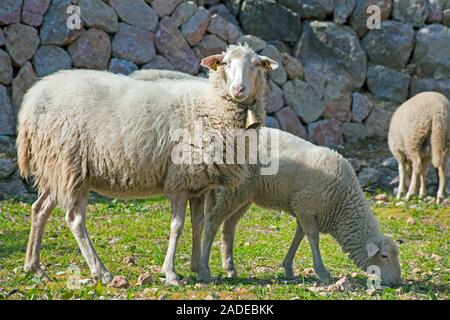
(141, 229)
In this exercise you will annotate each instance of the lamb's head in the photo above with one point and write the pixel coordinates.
(239, 72)
(383, 252)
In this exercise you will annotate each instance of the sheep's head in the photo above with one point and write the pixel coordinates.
(241, 71)
(383, 252)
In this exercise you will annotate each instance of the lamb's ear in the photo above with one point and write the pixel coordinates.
(267, 63)
(213, 61)
(372, 249)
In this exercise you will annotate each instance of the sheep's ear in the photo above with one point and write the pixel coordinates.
(372, 249)
(267, 63)
(213, 61)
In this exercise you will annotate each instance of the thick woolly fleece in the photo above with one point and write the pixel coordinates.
(82, 130)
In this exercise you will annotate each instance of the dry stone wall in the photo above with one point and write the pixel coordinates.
(338, 83)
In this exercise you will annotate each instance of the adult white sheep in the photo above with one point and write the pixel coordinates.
(419, 133)
(319, 188)
(82, 130)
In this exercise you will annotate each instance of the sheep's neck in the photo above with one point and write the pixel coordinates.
(355, 229)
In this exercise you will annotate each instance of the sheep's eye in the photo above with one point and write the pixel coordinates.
(384, 256)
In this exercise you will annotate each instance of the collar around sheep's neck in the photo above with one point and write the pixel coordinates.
(251, 120)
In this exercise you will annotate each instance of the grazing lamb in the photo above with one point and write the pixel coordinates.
(319, 188)
(84, 130)
(419, 133)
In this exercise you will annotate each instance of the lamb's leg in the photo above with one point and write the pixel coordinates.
(311, 229)
(40, 211)
(442, 181)
(76, 219)
(213, 218)
(416, 170)
(423, 178)
(402, 177)
(197, 205)
(227, 243)
(178, 207)
(289, 259)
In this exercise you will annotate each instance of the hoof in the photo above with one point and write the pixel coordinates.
(106, 277)
(232, 274)
(172, 282)
(204, 278)
(289, 275)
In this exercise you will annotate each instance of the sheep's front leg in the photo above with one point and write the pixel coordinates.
(289, 259)
(76, 219)
(178, 207)
(40, 211)
(311, 229)
(197, 205)
(227, 243)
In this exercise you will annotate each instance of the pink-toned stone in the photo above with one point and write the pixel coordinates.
(289, 122)
(33, 11)
(222, 28)
(10, 11)
(326, 133)
(91, 50)
(136, 13)
(164, 7)
(338, 106)
(22, 42)
(22, 82)
(134, 44)
(194, 29)
(171, 44)
(6, 69)
(210, 45)
(273, 97)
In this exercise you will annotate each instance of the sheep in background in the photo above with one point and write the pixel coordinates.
(419, 133)
(157, 74)
(84, 130)
(319, 188)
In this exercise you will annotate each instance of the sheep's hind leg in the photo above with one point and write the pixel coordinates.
(289, 259)
(40, 211)
(197, 219)
(416, 170)
(402, 177)
(423, 178)
(227, 243)
(214, 216)
(76, 219)
(442, 181)
(309, 225)
(178, 208)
